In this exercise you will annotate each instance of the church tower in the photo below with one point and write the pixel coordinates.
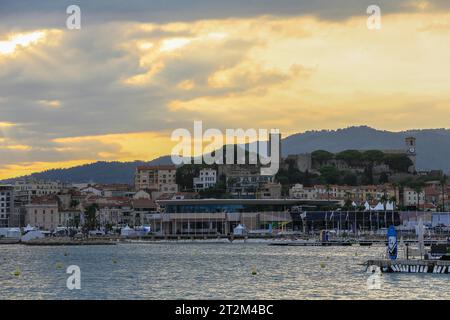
(411, 152)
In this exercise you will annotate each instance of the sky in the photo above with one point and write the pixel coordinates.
(137, 70)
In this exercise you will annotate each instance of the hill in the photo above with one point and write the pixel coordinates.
(433, 145)
(433, 152)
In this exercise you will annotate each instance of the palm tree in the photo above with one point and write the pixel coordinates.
(393, 199)
(328, 189)
(384, 199)
(418, 189)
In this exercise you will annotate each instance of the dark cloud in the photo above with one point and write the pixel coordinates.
(44, 13)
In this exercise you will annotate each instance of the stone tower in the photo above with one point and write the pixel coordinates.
(411, 152)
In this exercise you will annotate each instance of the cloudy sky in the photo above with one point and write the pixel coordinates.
(137, 70)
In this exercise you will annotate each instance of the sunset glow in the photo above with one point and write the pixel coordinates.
(118, 97)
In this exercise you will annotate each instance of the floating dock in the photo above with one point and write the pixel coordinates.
(62, 242)
(410, 266)
(311, 244)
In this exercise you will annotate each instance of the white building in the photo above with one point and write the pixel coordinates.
(6, 205)
(26, 190)
(298, 191)
(207, 178)
(410, 198)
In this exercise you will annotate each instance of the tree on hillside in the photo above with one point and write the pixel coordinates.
(219, 191)
(349, 178)
(321, 156)
(371, 157)
(384, 178)
(329, 175)
(185, 175)
(351, 157)
(398, 162)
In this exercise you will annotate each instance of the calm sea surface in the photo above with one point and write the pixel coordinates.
(206, 271)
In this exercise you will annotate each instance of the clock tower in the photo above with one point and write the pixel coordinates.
(411, 152)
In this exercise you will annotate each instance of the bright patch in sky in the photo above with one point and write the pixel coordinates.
(22, 40)
(174, 44)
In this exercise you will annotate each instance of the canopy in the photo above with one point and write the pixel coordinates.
(390, 206)
(379, 207)
(28, 228)
(239, 230)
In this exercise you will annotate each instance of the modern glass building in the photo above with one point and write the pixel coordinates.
(221, 216)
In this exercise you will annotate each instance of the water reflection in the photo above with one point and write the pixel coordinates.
(205, 271)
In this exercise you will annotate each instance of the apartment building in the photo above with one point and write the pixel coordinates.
(411, 198)
(156, 178)
(6, 205)
(43, 213)
(207, 178)
(26, 190)
(359, 194)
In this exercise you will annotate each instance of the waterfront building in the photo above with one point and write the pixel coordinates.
(246, 185)
(26, 190)
(358, 194)
(156, 178)
(207, 179)
(348, 221)
(143, 210)
(43, 213)
(6, 205)
(411, 198)
(221, 216)
(107, 190)
(298, 191)
(437, 194)
(270, 190)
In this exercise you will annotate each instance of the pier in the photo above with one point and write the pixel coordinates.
(410, 266)
(68, 242)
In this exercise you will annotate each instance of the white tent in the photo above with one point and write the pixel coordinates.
(354, 204)
(367, 206)
(31, 235)
(28, 228)
(390, 206)
(240, 230)
(14, 233)
(379, 207)
(127, 232)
